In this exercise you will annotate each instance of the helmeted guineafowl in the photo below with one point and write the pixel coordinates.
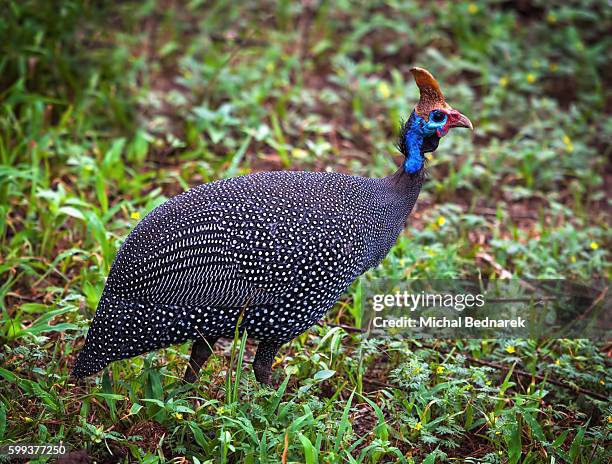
(278, 247)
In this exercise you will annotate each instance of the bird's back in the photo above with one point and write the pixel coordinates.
(245, 237)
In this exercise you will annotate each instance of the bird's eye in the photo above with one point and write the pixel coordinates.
(437, 116)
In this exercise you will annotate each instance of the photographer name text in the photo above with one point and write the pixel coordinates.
(444, 322)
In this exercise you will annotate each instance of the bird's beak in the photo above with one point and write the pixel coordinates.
(459, 120)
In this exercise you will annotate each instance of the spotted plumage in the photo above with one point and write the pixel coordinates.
(278, 248)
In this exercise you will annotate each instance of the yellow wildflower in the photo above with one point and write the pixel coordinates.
(510, 349)
(384, 89)
(568, 143)
(503, 81)
(594, 245)
(602, 382)
(418, 426)
(531, 78)
(299, 153)
(441, 221)
(178, 415)
(558, 362)
(440, 369)
(472, 8)
(135, 215)
(573, 258)
(609, 419)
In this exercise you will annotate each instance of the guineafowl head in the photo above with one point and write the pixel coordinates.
(429, 122)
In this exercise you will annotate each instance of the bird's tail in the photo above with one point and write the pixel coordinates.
(124, 328)
(120, 329)
(87, 363)
(94, 355)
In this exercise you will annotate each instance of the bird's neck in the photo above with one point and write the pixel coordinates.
(399, 193)
(402, 190)
(405, 184)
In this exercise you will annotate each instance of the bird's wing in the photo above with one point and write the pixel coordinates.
(223, 255)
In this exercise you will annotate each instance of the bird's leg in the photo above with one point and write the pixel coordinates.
(262, 365)
(200, 351)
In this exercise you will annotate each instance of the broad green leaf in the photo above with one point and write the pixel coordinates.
(310, 453)
(135, 409)
(534, 426)
(514, 444)
(324, 374)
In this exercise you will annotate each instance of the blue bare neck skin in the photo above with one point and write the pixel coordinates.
(415, 131)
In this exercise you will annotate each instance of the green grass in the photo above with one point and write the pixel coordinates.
(106, 111)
